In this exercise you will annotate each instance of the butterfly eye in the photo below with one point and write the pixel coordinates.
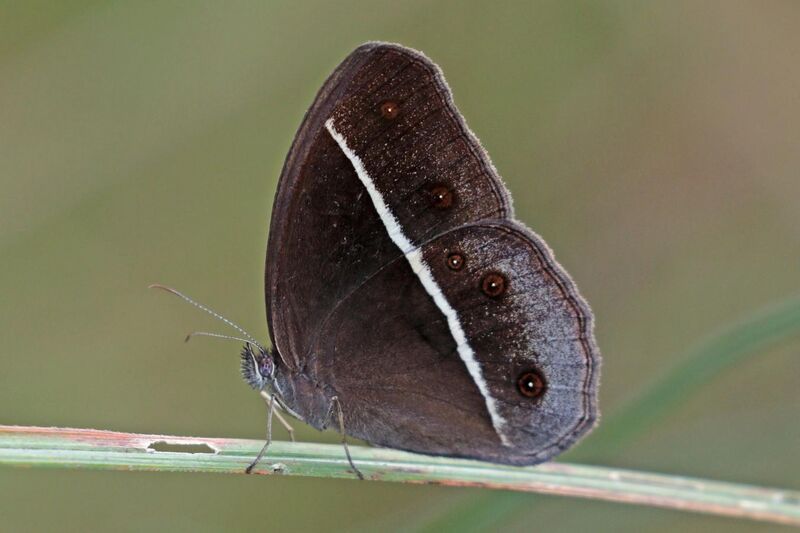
(531, 384)
(390, 110)
(494, 284)
(266, 366)
(455, 261)
(441, 197)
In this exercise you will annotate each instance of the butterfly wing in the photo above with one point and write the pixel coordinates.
(326, 237)
(391, 356)
(390, 237)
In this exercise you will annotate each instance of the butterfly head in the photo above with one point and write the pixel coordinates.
(258, 366)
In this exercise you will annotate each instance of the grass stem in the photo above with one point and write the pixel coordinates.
(108, 450)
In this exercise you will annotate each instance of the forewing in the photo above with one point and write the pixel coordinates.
(326, 238)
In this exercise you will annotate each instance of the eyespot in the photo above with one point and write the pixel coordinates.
(531, 384)
(390, 109)
(494, 284)
(455, 261)
(441, 197)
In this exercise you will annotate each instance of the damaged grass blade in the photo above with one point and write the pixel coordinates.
(108, 450)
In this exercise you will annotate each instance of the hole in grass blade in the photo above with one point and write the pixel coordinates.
(164, 446)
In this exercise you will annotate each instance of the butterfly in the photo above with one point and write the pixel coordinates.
(402, 295)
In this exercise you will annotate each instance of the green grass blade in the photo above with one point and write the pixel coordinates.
(720, 353)
(76, 448)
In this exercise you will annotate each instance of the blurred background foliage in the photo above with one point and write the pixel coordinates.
(654, 145)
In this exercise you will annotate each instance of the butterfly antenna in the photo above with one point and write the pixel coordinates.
(248, 338)
(250, 353)
(220, 336)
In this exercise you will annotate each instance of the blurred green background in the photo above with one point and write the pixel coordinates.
(656, 146)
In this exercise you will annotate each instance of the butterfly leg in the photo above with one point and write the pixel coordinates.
(340, 416)
(270, 412)
(289, 429)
